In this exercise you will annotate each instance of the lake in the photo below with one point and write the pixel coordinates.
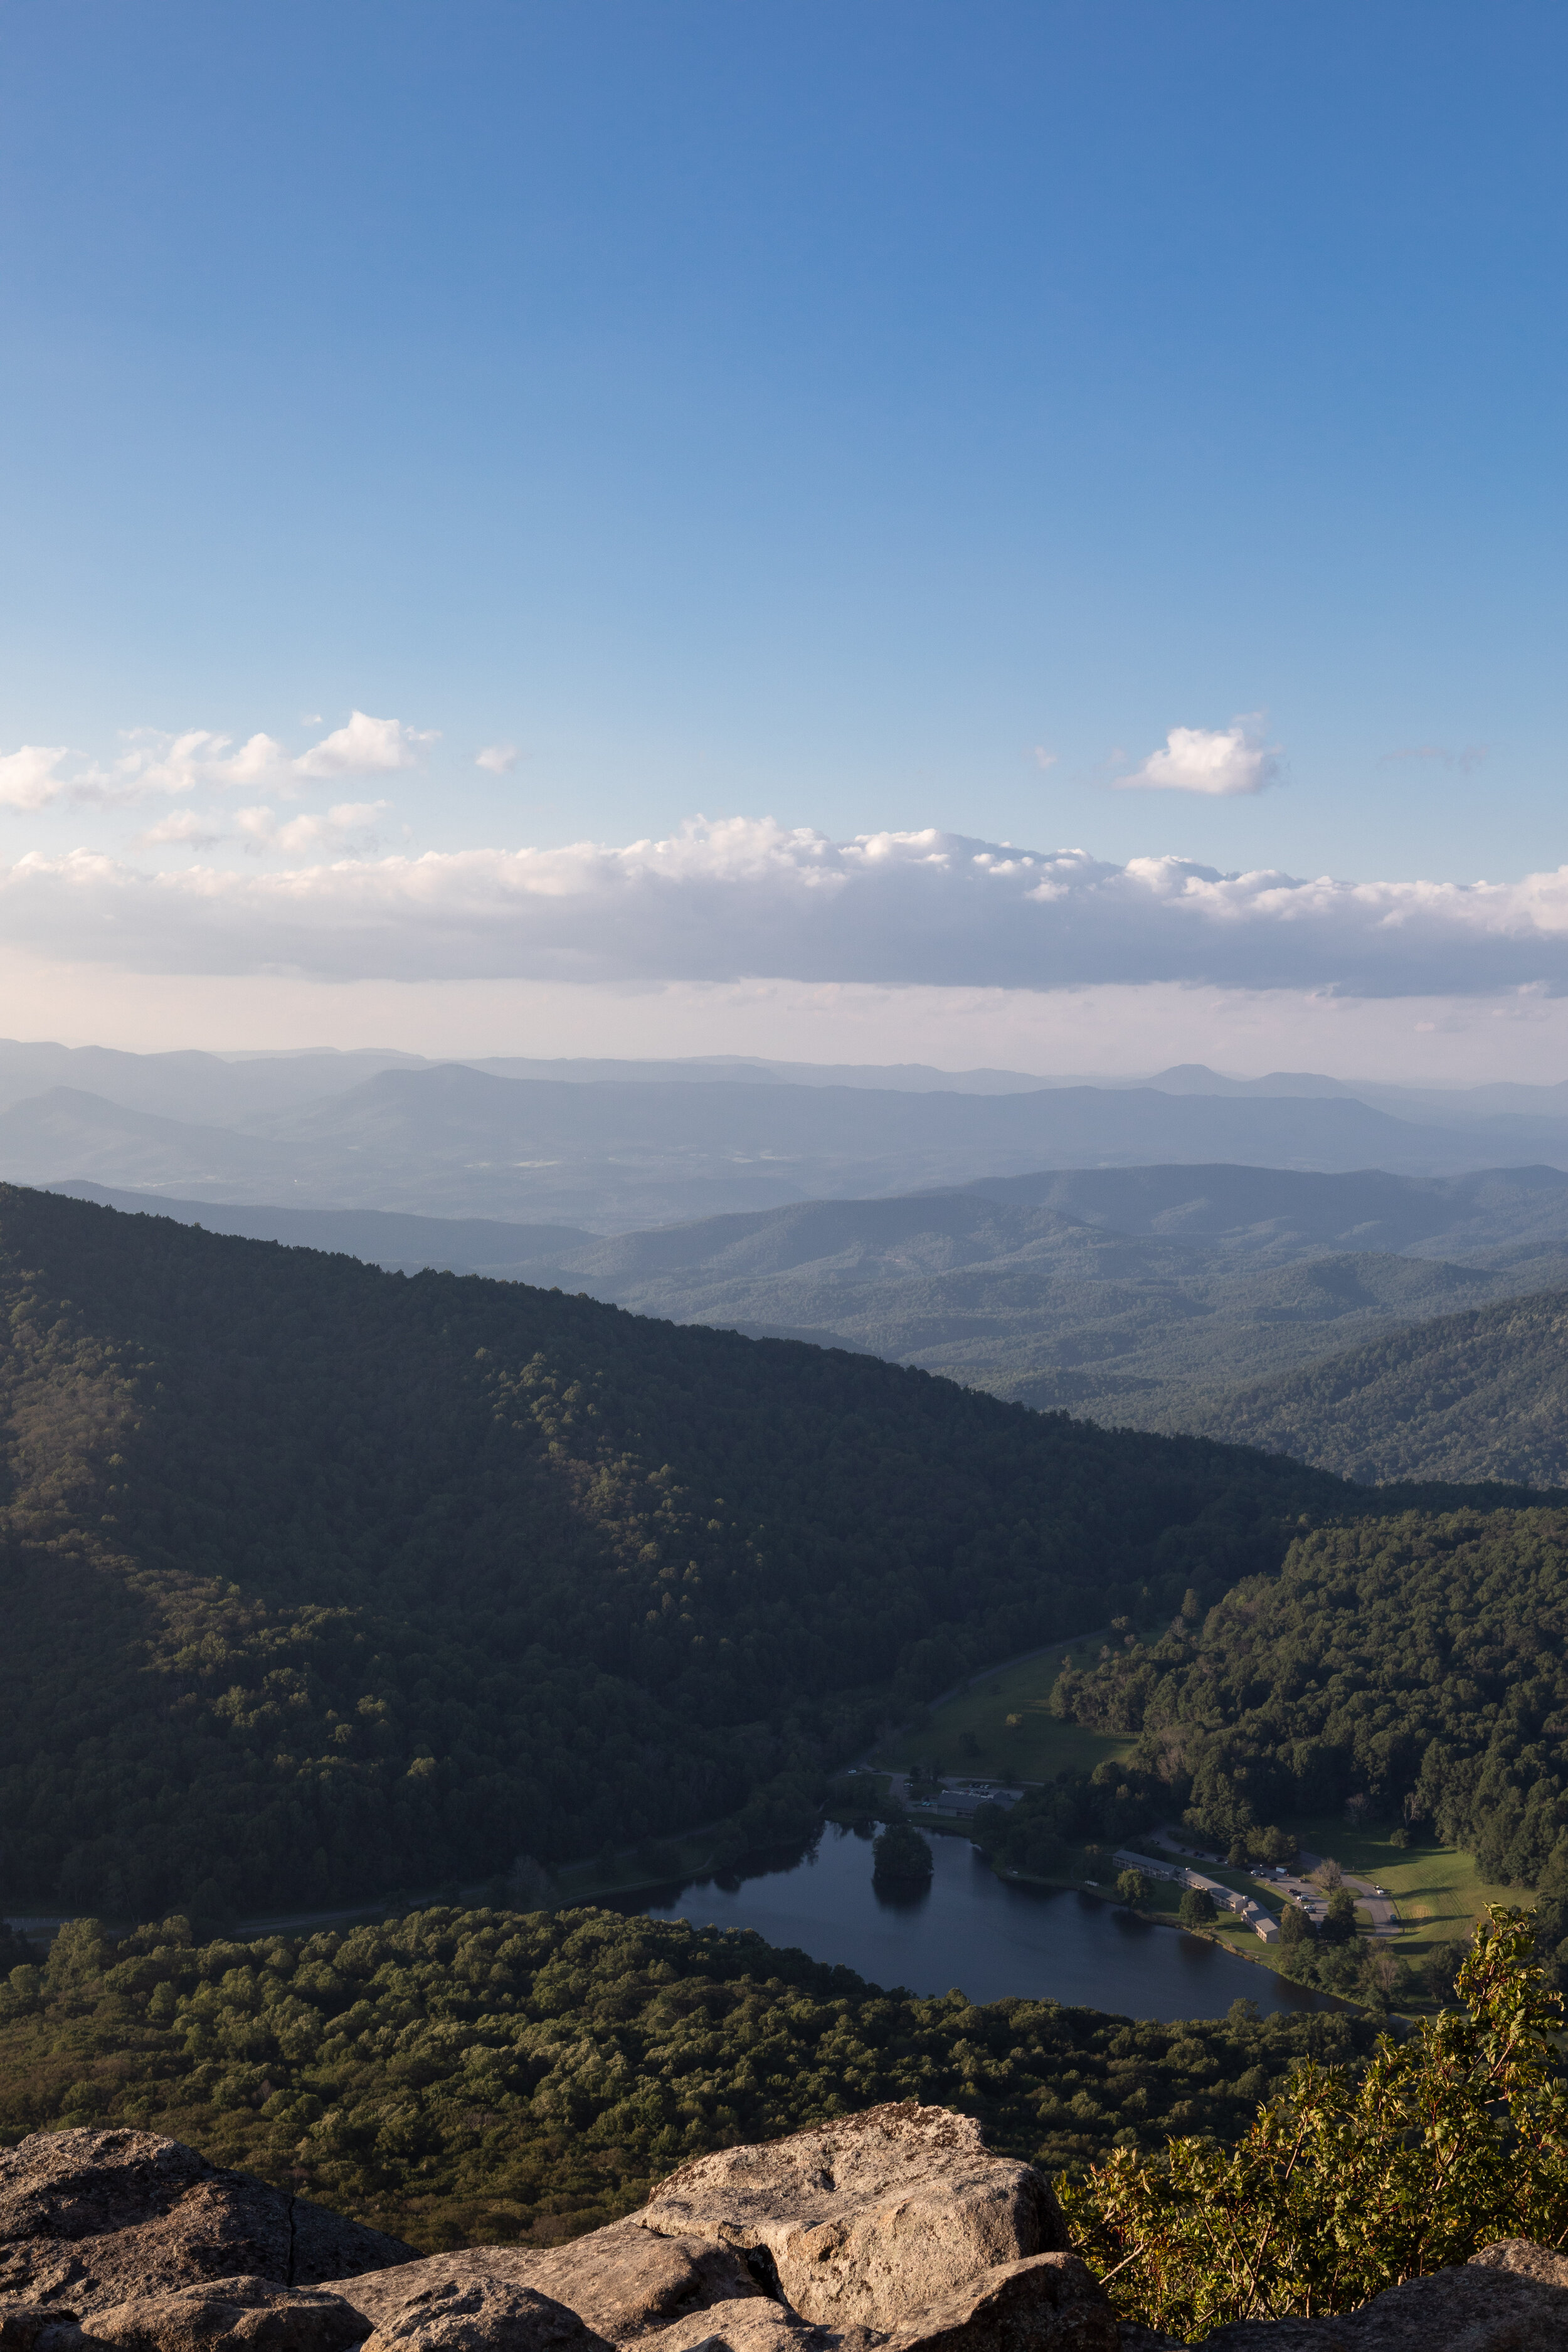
(989, 1936)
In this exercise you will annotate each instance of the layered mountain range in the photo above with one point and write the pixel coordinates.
(1161, 1297)
(614, 1147)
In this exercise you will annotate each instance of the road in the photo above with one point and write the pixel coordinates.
(1381, 1910)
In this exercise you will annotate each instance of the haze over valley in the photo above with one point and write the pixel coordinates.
(497, 1140)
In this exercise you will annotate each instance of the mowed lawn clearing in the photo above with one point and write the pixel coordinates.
(1438, 1889)
(971, 1733)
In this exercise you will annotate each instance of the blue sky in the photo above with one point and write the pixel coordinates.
(828, 413)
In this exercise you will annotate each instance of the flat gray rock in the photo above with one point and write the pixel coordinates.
(247, 2313)
(622, 2281)
(1526, 2260)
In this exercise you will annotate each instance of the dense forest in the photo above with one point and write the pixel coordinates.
(1412, 1669)
(489, 2076)
(1469, 1396)
(1032, 1303)
(320, 1581)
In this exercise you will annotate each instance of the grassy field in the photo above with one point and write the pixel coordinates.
(1439, 1891)
(971, 1733)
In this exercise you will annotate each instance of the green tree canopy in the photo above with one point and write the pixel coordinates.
(459, 2076)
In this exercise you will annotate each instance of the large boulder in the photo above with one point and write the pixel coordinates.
(868, 2222)
(91, 2219)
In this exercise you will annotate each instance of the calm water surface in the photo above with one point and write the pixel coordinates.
(977, 1931)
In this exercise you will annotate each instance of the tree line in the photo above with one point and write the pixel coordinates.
(494, 2076)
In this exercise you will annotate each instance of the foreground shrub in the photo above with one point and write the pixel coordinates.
(1348, 2183)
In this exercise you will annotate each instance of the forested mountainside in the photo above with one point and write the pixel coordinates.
(460, 2077)
(1135, 1296)
(1414, 1667)
(320, 1580)
(1031, 1304)
(1482, 1394)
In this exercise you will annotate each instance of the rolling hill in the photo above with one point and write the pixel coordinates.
(1112, 1291)
(1411, 1667)
(318, 1580)
(1482, 1394)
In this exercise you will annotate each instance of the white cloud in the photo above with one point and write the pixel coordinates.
(500, 758)
(184, 828)
(365, 747)
(198, 760)
(341, 828)
(29, 777)
(1044, 759)
(157, 761)
(1220, 761)
(751, 899)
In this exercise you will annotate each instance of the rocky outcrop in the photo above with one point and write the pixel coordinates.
(870, 2222)
(89, 2219)
(895, 2231)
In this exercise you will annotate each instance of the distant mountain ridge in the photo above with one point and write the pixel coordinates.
(191, 1084)
(616, 1145)
(452, 1141)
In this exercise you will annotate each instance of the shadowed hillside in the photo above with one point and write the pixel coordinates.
(318, 1580)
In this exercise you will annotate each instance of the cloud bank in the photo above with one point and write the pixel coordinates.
(1220, 761)
(750, 898)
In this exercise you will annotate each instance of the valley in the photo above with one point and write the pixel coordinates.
(357, 1553)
